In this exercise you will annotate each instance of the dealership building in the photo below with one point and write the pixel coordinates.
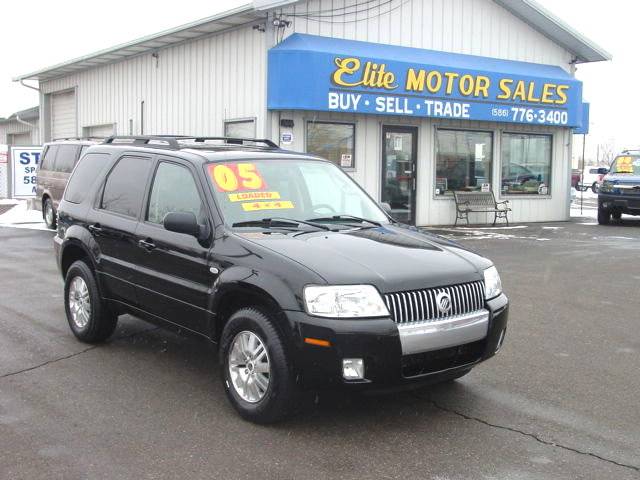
(415, 99)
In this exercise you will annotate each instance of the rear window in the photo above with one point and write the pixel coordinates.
(84, 175)
(66, 158)
(49, 158)
(124, 188)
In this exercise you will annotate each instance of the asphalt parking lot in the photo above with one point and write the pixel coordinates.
(560, 401)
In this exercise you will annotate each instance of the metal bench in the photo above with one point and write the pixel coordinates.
(479, 202)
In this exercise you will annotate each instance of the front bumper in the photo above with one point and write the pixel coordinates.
(626, 203)
(395, 356)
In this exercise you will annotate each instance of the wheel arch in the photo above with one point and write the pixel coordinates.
(74, 250)
(231, 297)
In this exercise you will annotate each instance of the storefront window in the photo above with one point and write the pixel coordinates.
(240, 128)
(463, 161)
(526, 164)
(333, 141)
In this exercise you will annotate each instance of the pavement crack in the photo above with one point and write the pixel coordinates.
(527, 434)
(71, 355)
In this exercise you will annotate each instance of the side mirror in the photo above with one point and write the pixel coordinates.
(182, 222)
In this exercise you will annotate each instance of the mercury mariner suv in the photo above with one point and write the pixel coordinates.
(279, 258)
(620, 189)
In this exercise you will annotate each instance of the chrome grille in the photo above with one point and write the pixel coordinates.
(420, 305)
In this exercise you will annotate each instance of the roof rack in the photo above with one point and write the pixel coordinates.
(631, 150)
(176, 142)
(62, 139)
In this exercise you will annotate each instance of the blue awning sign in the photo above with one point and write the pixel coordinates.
(307, 72)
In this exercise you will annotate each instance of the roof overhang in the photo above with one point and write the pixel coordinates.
(200, 28)
(557, 30)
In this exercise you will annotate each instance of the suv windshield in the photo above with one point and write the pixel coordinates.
(253, 190)
(626, 164)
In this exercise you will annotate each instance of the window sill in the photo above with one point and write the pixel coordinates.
(528, 196)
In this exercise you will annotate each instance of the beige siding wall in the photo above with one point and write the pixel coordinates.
(188, 89)
(475, 27)
(7, 130)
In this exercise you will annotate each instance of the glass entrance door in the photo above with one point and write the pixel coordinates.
(399, 148)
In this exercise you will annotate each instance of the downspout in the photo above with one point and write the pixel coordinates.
(19, 120)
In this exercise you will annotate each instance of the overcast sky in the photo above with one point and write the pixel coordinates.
(36, 34)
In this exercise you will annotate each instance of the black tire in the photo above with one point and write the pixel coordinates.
(101, 322)
(279, 397)
(50, 219)
(604, 216)
(616, 214)
(595, 187)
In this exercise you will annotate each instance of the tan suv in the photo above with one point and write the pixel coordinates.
(58, 160)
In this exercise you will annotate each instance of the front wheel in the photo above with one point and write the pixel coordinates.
(255, 368)
(90, 320)
(617, 214)
(595, 187)
(49, 213)
(604, 216)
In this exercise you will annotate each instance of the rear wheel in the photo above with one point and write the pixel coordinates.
(49, 213)
(90, 320)
(255, 368)
(604, 215)
(616, 214)
(595, 187)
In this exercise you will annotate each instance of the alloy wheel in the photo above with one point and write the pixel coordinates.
(79, 302)
(249, 366)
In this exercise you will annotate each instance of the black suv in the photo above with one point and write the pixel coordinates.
(280, 258)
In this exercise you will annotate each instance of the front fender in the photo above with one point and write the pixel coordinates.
(267, 285)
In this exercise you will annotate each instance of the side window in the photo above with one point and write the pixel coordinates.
(124, 188)
(66, 158)
(173, 190)
(49, 158)
(84, 176)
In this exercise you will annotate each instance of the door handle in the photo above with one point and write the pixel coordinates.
(95, 229)
(147, 244)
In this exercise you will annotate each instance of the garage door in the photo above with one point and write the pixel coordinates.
(19, 139)
(63, 115)
(105, 130)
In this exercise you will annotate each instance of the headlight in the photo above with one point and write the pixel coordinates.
(344, 301)
(492, 283)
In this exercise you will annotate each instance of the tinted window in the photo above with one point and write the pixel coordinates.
(174, 190)
(333, 141)
(66, 158)
(84, 176)
(49, 158)
(526, 163)
(463, 161)
(124, 188)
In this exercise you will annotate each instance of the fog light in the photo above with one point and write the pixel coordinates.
(353, 368)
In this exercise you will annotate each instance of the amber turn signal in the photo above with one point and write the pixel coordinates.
(317, 342)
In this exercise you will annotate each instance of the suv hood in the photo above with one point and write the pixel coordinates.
(393, 258)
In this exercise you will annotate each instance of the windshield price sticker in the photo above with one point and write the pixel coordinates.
(245, 196)
(624, 165)
(253, 206)
(235, 177)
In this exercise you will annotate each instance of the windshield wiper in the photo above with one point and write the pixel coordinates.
(345, 217)
(279, 222)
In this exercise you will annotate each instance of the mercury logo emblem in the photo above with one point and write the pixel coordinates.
(443, 300)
